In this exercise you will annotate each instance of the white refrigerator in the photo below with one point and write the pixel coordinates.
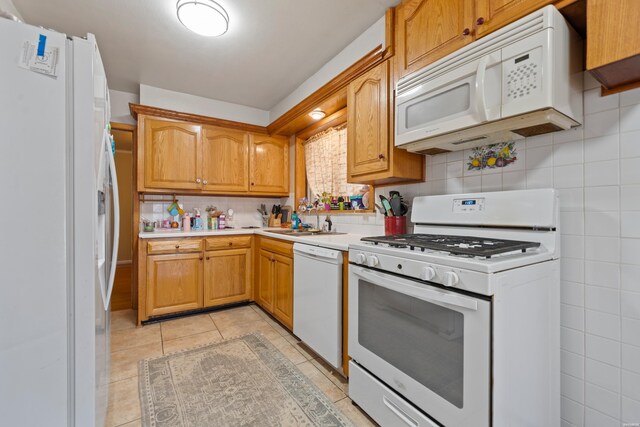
(59, 223)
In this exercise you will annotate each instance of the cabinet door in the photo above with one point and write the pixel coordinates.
(174, 283)
(283, 288)
(269, 163)
(427, 30)
(227, 276)
(225, 160)
(613, 46)
(368, 122)
(495, 14)
(265, 280)
(172, 155)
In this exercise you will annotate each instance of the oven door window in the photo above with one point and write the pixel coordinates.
(421, 339)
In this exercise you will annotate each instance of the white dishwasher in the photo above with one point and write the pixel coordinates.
(317, 300)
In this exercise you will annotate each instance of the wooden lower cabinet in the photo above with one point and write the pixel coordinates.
(275, 279)
(227, 277)
(174, 283)
(264, 296)
(283, 289)
(214, 271)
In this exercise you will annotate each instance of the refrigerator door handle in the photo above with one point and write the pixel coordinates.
(116, 220)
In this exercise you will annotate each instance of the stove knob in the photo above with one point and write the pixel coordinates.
(450, 278)
(360, 258)
(428, 273)
(372, 261)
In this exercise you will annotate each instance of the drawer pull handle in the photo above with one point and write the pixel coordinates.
(230, 243)
(399, 412)
(480, 21)
(177, 246)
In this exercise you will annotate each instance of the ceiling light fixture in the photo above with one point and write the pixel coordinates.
(317, 114)
(204, 17)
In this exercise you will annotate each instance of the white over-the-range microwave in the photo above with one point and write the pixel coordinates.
(522, 80)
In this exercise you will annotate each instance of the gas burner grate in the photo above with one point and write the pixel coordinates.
(455, 245)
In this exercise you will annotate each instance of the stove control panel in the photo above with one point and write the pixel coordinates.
(468, 205)
(424, 271)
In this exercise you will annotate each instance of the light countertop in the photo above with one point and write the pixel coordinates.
(333, 241)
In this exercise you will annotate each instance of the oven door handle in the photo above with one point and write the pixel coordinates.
(411, 289)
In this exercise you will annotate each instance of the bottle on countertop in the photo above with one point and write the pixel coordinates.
(294, 220)
(221, 222)
(186, 222)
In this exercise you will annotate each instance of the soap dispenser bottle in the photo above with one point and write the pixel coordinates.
(294, 220)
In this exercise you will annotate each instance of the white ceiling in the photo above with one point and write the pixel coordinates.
(272, 46)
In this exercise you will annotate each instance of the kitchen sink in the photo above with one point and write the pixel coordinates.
(292, 232)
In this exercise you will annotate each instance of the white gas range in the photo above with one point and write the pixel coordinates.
(458, 324)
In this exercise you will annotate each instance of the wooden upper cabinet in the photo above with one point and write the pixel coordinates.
(172, 155)
(225, 160)
(494, 14)
(430, 29)
(269, 160)
(368, 122)
(613, 42)
(205, 159)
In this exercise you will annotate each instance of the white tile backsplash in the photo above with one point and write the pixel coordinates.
(601, 173)
(629, 144)
(602, 349)
(630, 358)
(602, 123)
(602, 375)
(602, 148)
(602, 400)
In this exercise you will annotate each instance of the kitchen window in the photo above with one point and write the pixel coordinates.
(325, 156)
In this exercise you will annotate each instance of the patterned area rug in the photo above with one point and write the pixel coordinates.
(243, 381)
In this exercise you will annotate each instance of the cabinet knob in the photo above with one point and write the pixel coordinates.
(204, 182)
(230, 243)
(177, 246)
(480, 21)
(252, 183)
(197, 180)
(381, 156)
(208, 258)
(202, 258)
(466, 32)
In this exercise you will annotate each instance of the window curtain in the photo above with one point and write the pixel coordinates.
(325, 156)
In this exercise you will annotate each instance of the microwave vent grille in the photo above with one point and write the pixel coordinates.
(537, 129)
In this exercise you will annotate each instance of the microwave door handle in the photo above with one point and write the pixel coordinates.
(481, 102)
(408, 288)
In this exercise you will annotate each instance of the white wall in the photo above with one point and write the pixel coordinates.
(596, 168)
(358, 48)
(8, 6)
(120, 106)
(178, 101)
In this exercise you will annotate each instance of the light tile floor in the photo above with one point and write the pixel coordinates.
(130, 345)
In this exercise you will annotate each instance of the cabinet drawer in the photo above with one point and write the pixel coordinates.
(174, 246)
(278, 246)
(218, 243)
